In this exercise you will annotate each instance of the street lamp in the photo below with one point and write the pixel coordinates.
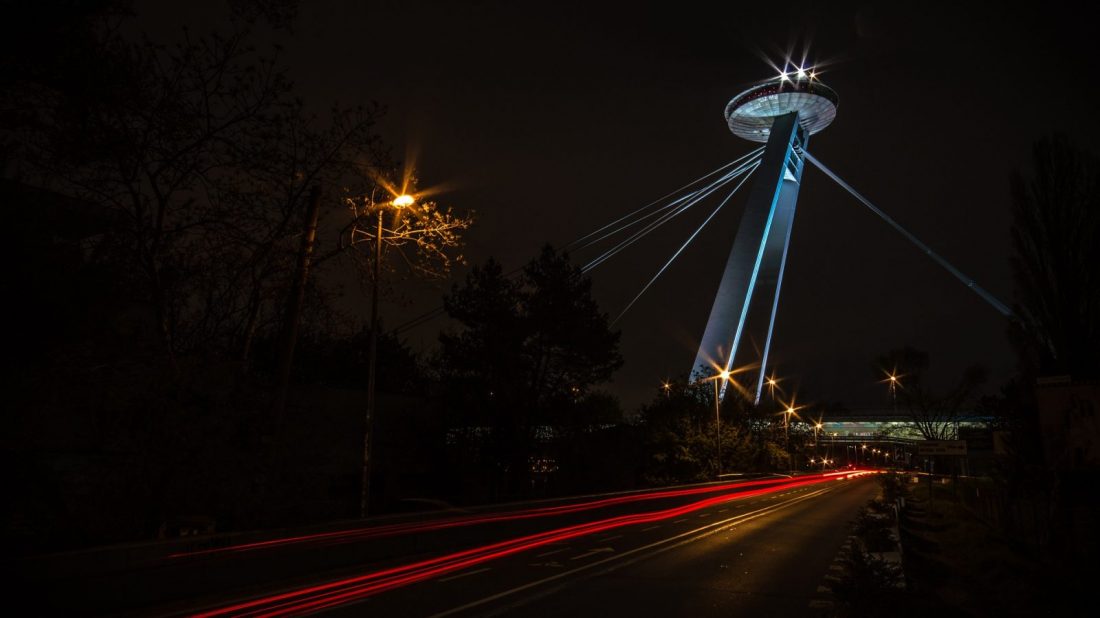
(772, 385)
(893, 382)
(790, 411)
(723, 375)
(424, 241)
(399, 202)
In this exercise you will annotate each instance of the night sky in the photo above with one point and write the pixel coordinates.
(549, 119)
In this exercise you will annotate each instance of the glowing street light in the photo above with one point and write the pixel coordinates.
(401, 201)
(428, 236)
(773, 384)
(724, 376)
(893, 382)
(787, 413)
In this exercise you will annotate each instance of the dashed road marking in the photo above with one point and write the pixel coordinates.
(466, 574)
(645, 551)
(598, 550)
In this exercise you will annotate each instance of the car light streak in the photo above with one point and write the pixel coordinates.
(343, 536)
(340, 592)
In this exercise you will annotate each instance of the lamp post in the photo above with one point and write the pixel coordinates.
(787, 434)
(399, 202)
(893, 383)
(772, 385)
(725, 376)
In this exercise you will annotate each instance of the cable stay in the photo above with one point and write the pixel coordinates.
(677, 206)
(967, 281)
(662, 198)
(686, 243)
(675, 203)
(696, 197)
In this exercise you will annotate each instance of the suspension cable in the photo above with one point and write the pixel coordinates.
(686, 243)
(696, 197)
(664, 197)
(967, 281)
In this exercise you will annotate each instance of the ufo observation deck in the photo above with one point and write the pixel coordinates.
(750, 114)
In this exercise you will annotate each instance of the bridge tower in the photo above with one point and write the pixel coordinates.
(783, 114)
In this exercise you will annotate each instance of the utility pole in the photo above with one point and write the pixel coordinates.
(364, 496)
(295, 302)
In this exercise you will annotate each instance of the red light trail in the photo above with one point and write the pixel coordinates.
(407, 528)
(352, 589)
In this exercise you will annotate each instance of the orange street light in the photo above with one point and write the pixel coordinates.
(401, 201)
(724, 376)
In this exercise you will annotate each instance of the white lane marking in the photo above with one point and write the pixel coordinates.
(598, 550)
(680, 520)
(610, 538)
(650, 528)
(702, 515)
(467, 573)
(550, 553)
(824, 589)
(723, 510)
(683, 539)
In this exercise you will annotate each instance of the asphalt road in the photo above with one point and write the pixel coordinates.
(762, 546)
(765, 556)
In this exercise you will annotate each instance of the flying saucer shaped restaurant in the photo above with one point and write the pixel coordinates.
(750, 114)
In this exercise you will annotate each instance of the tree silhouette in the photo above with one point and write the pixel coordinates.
(934, 414)
(527, 351)
(1055, 232)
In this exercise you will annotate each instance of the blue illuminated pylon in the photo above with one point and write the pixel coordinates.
(754, 270)
(783, 113)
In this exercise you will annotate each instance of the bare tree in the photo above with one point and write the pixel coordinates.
(207, 159)
(1055, 227)
(935, 415)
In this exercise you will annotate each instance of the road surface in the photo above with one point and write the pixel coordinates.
(761, 547)
(768, 556)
